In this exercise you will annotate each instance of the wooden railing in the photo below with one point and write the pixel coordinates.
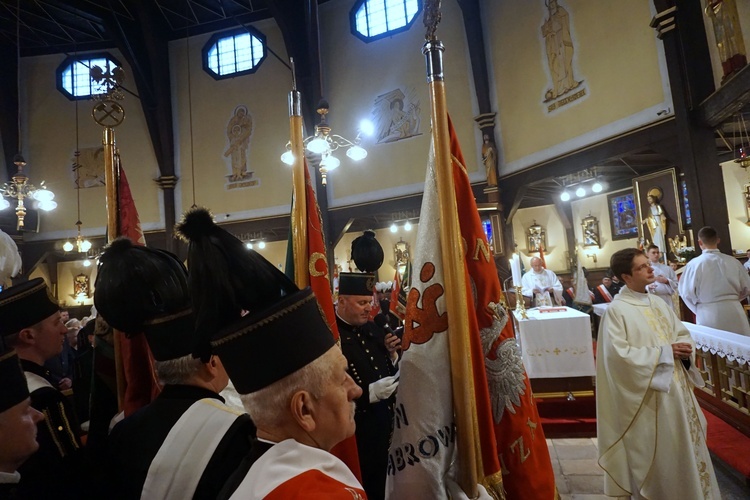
(724, 361)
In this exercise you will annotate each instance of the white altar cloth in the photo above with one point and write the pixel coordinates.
(731, 346)
(556, 344)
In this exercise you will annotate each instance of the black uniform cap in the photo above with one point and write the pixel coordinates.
(140, 289)
(25, 305)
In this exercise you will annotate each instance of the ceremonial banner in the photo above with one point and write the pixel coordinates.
(521, 445)
(396, 292)
(541, 255)
(422, 461)
(316, 262)
(141, 386)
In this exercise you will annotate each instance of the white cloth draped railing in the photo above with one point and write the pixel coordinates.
(731, 346)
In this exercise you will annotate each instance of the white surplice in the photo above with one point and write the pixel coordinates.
(712, 286)
(542, 280)
(651, 432)
(664, 290)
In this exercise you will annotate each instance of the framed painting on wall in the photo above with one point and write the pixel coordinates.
(623, 219)
(657, 199)
(590, 231)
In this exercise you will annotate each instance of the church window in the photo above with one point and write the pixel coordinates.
(375, 19)
(234, 53)
(74, 75)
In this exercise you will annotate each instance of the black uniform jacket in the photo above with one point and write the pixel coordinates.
(55, 470)
(364, 349)
(135, 441)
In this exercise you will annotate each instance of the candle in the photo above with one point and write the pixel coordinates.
(516, 269)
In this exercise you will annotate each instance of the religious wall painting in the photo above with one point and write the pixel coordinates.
(239, 132)
(81, 287)
(88, 169)
(659, 214)
(493, 231)
(686, 203)
(623, 217)
(730, 43)
(397, 115)
(565, 84)
(536, 238)
(590, 232)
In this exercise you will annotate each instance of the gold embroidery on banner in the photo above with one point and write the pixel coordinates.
(494, 485)
(316, 257)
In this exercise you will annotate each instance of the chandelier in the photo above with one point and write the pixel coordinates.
(741, 142)
(19, 188)
(81, 245)
(324, 143)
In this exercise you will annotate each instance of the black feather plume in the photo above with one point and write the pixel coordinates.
(367, 252)
(225, 277)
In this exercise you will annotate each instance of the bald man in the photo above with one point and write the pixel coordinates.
(541, 285)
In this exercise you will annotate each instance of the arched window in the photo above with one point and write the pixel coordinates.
(375, 19)
(74, 78)
(234, 53)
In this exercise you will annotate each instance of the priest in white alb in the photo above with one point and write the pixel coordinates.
(712, 286)
(651, 432)
(542, 285)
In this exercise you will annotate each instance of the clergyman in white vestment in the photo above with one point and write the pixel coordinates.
(541, 285)
(651, 432)
(712, 286)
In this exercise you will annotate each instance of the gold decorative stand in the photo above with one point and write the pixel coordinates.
(520, 306)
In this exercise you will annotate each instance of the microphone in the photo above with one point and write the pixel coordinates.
(382, 322)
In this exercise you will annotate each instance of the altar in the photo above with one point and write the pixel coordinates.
(556, 343)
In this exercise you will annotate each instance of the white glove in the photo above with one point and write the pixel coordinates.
(383, 388)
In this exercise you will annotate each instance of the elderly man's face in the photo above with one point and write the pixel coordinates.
(536, 264)
(334, 418)
(18, 435)
(355, 309)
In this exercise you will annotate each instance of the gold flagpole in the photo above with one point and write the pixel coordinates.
(109, 114)
(299, 201)
(456, 298)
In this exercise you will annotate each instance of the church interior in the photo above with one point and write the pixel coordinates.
(578, 121)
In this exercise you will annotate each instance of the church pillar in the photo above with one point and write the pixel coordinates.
(167, 184)
(679, 25)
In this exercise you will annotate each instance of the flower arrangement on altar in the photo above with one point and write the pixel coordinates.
(686, 254)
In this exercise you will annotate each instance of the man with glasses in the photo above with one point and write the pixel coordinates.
(651, 431)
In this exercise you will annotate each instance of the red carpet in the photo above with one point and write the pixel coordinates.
(729, 444)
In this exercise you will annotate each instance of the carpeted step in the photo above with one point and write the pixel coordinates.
(727, 443)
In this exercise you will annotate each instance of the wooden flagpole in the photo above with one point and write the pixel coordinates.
(299, 201)
(453, 265)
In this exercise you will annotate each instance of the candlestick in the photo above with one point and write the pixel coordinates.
(520, 306)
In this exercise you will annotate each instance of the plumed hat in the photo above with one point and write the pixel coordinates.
(25, 305)
(140, 289)
(283, 329)
(264, 347)
(13, 388)
(226, 278)
(367, 253)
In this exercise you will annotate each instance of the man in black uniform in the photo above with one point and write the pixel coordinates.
(18, 421)
(186, 443)
(30, 323)
(372, 356)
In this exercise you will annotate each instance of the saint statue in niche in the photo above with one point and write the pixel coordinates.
(558, 44)
(489, 158)
(239, 130)
(656, 220)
